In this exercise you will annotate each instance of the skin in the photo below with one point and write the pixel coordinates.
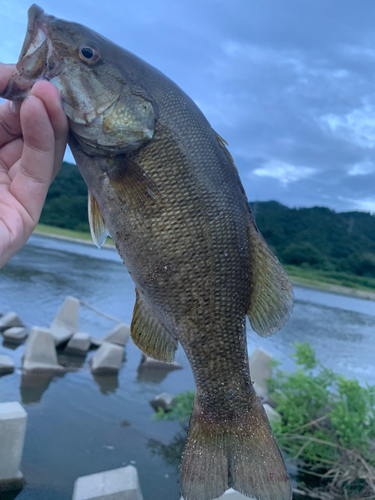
(33, 138)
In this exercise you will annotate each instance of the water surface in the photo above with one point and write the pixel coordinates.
(79, 424)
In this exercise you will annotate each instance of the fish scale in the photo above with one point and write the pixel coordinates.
(162, 183)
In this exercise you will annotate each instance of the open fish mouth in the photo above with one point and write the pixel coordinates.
(35, 59)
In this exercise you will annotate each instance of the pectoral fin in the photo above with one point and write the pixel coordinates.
(131, 183)
(271, 300)
(149, 335)
(98, 228)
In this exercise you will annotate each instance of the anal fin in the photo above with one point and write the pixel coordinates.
(271, 300)
(149, 335)
(98, 228)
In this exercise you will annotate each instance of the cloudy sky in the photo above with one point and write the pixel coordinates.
(289, 84)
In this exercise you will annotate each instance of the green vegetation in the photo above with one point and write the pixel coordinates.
(316, 245)
(181, 410)
(319, 239)
(66, 202)
(327, 427)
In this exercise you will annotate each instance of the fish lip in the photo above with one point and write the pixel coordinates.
(35, 57)
(36, 46)
(36, 20)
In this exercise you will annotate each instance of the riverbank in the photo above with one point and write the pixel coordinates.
(306, 278)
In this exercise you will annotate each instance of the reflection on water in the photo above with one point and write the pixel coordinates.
(79, 424)
(33, 386)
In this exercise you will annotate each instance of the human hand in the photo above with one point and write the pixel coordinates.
(33, 138)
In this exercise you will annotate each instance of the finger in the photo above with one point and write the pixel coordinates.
(10, 154)
(10, 127)
(52, 101)
(6, 71)
(31, 182)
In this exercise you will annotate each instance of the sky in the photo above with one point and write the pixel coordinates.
(290, 84)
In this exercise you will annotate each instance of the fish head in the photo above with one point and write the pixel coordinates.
(108, 112)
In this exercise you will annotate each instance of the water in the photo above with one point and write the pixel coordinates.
(78, 424)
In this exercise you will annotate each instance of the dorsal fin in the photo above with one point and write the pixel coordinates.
(223, 144)
(271, 300)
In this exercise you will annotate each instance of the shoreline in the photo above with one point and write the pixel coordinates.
(324, 287)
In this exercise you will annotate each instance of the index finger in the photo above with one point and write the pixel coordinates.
(10, 126)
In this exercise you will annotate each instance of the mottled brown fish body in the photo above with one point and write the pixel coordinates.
(163, 185)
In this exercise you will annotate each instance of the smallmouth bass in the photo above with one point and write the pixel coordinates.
(163, 185)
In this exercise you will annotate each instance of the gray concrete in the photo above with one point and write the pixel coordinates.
(117, 484)
(154, 364)
(6, 365)
(119, 335)
(9, 320)
(66, 321)
(16, 334)
(96, 342)
(40, 352)
(231, 494)
(12, 434)
(79, 343)
(260, 370)
(107, 359)
(164, 401)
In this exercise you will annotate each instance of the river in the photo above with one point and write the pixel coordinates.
(78, 424)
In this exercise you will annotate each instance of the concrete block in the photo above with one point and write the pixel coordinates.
(66, 321)
(9, 320)
(79, 343)
(6, 365)
(96, 342)
(260, 370)
(154, 364)
(231, 494)
(107, 359)
(164, 401)
(119, 335)
(117, 484)
(15, 334)
(273, 415)
(40, 352)
(12, 434)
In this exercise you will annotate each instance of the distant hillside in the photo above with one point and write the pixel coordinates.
(307, 237)
(319, 237)
(66, 202)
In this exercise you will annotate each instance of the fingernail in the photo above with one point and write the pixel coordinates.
(12, 106)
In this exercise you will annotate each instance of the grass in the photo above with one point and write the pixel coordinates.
(325, 279)
(66, 233)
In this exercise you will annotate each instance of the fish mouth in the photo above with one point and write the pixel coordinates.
(35, 61)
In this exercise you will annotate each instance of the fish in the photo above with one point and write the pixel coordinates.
(164, 186)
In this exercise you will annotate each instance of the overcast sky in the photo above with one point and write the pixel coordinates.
(290, 84)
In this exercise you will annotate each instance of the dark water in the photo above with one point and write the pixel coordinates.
(78, 424)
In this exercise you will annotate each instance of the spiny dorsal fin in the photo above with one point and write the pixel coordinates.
(271, 300)
(131, 183)
(223, 144)
(98, 228)
(149, 335)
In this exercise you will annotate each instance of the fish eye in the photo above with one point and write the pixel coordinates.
(87, 54)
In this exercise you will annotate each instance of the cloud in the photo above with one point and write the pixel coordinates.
(284, 172)
(357, 126)
(362, 168)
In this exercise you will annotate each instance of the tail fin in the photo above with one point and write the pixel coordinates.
(240, 453)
